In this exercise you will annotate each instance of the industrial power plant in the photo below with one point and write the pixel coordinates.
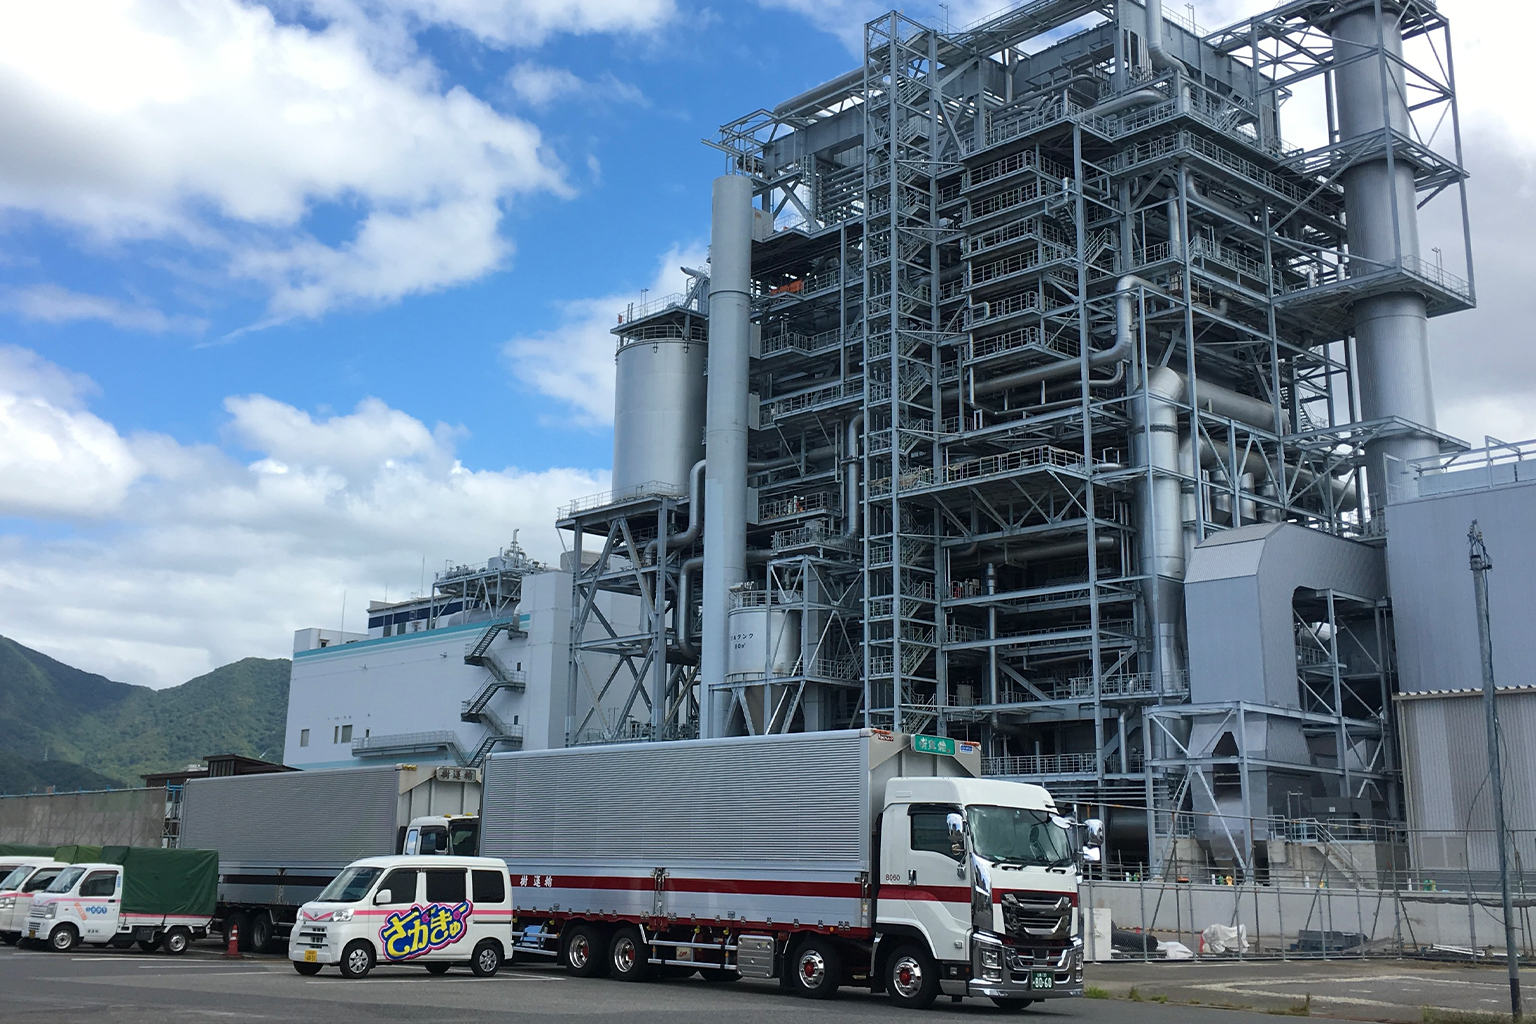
(1037, 393)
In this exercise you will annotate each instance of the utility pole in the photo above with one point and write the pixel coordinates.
(1480, 566)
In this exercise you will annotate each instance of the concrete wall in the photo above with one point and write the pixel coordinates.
(119, 817)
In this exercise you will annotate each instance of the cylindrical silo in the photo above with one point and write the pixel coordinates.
(1380, 205)
(658, 412)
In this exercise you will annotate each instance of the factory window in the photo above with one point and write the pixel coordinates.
(346, 734)
(303, 737)
(335, 734)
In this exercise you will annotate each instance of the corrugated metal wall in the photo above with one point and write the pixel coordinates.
(121, 817)
(801, 797)
(303, 819)
(1445, 753)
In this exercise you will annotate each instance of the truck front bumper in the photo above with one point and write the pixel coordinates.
(1018, 976)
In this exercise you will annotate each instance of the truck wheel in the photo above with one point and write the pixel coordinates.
(261, 931)
(177, 940)
(64, 938)
(628, 957)
(487, 959)
(912, 977)
(1010, 1005)
(149, 945)
(582, 951)
(356, 960)
(818, 968)
(309, 970)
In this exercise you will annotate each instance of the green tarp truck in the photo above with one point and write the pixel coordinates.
(119, 895)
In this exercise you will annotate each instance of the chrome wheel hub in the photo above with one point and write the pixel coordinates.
(813, 969)
(581, 951)
(907, 977)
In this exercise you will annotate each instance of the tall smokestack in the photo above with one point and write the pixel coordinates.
(725, 436)
(1391, 331)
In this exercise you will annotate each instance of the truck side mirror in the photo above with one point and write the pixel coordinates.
(382, 897)
(1095, 829)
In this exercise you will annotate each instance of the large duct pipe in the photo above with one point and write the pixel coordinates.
(1380, 205)
(725, 435)
(1123, 348)
(851, 524)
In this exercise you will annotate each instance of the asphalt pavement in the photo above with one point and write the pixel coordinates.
(132, 988)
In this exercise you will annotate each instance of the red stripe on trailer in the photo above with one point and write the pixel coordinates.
(766, 887)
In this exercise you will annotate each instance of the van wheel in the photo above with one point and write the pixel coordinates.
(912, 977)
(64, 938)
(818, 968)
(437, 967)
(628, 955)
(356, 960)
(582, 951)
(487, 959)
(177, 940)
(309, 970)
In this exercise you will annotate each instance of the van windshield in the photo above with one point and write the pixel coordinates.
(1015, 836)
(66, 880)
(15, 878)
(351, 885)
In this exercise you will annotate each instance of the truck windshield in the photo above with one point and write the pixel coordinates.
(351, 885)
(464, 838)
(1020, 837)
(66, 880)
(14, 879)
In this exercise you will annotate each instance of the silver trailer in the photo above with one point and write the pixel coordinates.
(282, 837)
(821, 859)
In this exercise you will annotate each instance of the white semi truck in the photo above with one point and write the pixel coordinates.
(282, 838)
(864, 858)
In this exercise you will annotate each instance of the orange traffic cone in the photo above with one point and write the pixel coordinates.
(232, 951)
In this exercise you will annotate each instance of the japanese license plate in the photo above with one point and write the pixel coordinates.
(32, 933)
(310, 956)
(1041, 980)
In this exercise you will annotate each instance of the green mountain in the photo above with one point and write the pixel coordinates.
(122, 731)
(21, 775)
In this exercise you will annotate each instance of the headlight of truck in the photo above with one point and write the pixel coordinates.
(7, 902)
(991, 956)
(51, 910)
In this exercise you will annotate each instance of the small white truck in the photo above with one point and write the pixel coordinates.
(863, 858)
(157, 898)
(22, 878)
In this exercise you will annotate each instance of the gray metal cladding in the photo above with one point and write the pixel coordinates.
(800, 798)
(313, 818)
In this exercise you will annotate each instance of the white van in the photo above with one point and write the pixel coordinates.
(18, 882)
(437, 911)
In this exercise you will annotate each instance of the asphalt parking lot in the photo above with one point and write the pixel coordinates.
(131, 988)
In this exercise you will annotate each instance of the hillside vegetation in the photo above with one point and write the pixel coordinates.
(120, 731)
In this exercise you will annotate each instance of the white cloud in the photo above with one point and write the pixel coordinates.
(204, 558)
(574, 362)
(538, 86)
(213, 124)
(51, 304)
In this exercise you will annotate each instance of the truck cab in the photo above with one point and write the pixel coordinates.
(985, 873)
(455, 835)
(19, 882)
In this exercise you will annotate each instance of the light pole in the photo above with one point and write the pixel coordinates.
(1480, 566)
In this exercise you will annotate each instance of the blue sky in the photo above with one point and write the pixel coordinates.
(296, 299)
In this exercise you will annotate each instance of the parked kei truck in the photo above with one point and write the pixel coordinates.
(863, 858)
(119, 895)
(281, 838)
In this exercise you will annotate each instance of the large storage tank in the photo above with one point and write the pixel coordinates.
(658, 413)
(764, 640)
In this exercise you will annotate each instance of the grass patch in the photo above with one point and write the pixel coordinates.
(1301, 1009)
(1134, 995)
(1434, 1016)
(1095, 992)
(1161, 998)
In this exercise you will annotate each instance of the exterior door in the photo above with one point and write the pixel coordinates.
(923, 881)
(101, 900)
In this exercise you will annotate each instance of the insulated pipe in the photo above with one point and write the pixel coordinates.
(1140, 97)
(1123, 348)
(695, 514)
(1391, 331)
(851, 525)
(725, 435)
(685, 605)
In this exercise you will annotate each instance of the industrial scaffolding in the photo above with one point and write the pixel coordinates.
(1040, 306)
